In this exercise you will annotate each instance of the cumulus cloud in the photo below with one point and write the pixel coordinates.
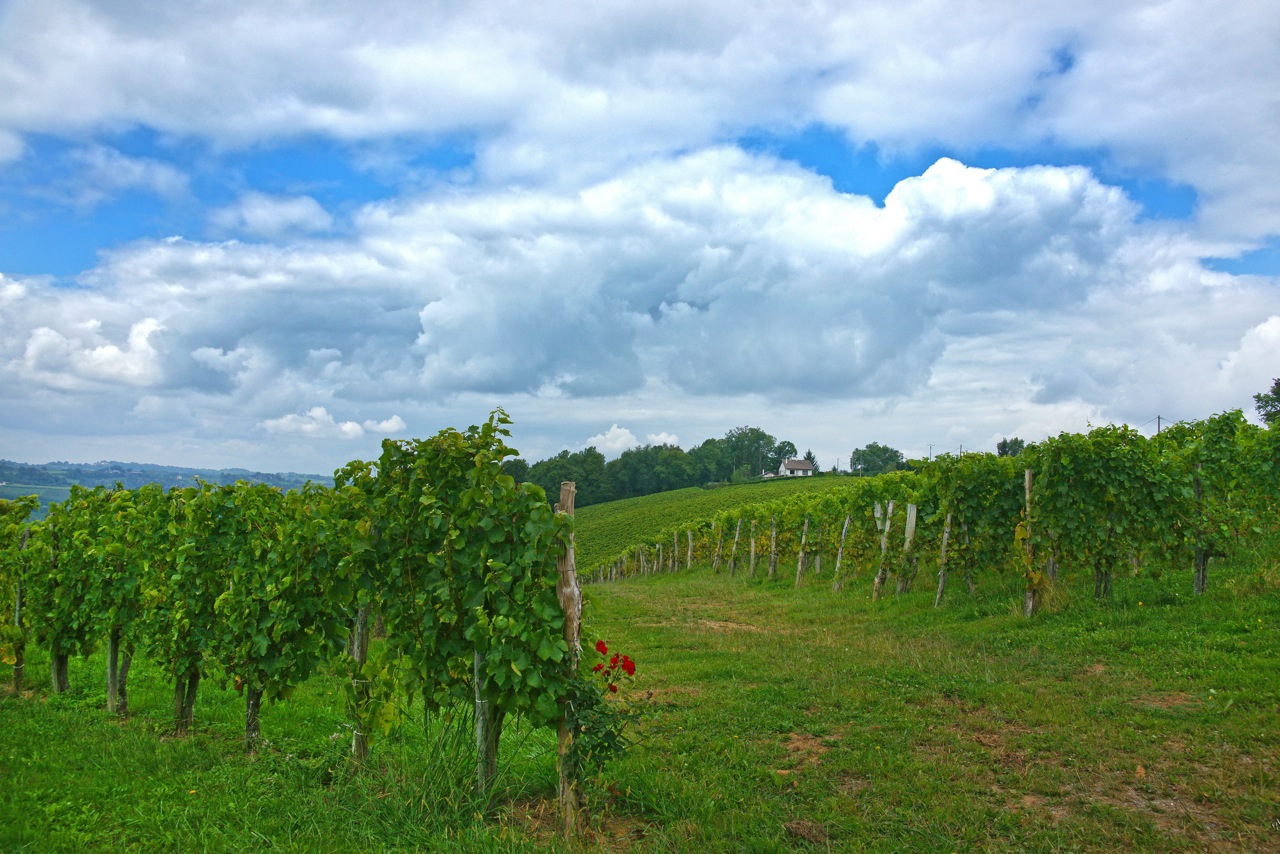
(662, 439)
(613, 441)
(105, 172)
(574, 95)
(260, 215)
(719, 276)
(317, 422)
(69, 362)
(394, 424)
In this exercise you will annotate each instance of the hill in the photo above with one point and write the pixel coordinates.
(52, 481)
(604, 530)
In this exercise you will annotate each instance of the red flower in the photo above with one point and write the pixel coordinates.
(613, 688)
(598, 667)
(629, 666)
(602, 648)
(613, 662)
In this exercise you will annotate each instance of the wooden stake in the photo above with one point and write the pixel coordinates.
(909, 561)
(569, 593)
(733, 553)
(804, 535)
(835, 582)
(883, 573)
(942, 562)
(773, 547)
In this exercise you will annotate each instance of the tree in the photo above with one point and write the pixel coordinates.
(749, 448)
(813, 461)
(517, 469)
(784, 450)
(876, 459)
(585, 468)
(1010, 447)
(1268, 404)
(710, 461)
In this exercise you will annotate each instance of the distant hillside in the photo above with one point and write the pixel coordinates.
(601, 531)
(51, 481)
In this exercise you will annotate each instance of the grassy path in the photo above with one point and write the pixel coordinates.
(784, 719)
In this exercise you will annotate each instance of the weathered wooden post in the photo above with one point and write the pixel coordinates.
(733, 553)
(883, 573)
(835, 582)
(773, 547)
(909, 560)
(942, 562)
(804, 535)
(1031, 593)
(569, 593)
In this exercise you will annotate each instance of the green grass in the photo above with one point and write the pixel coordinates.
(776, 719)
(602, 531)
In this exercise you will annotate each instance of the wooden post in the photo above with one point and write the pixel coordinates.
(942, 562)
(570, 595)
(1200, 582)
(773, 547)
(19, 640)
(751, 573)
(733, 553)
(1031, 594)
(882, 574)
(817, 552)
(804, 535)
(688, 561)
(835, 582)
(909, 561)
(675, 551)
(715, 561)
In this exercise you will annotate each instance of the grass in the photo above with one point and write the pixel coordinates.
(776, 719)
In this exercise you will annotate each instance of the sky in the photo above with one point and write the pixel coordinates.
(270, 235)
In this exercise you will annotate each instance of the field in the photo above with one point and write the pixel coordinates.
(774, 719)
(604, 530)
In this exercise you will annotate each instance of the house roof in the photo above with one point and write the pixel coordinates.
(798, 465)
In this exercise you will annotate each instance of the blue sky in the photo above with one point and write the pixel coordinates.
(238, 235)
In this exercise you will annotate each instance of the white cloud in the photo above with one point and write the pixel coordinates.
(316, 422)
(107, 170)
(394, 424)
(662, 439)
(260, 215)
(573, 94)
(688, 296)
(11, 147)
(68, 362)
(613, 441)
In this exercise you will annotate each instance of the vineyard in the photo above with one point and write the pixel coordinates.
(606, 530)
(467, 572)
(1108, 502)
(789, 677)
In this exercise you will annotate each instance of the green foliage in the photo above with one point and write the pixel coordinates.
(61, 584)
(1010, 447)
(876, 459)
(468, 558)
(1268, 404)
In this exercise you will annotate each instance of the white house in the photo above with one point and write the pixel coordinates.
(795, 468)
